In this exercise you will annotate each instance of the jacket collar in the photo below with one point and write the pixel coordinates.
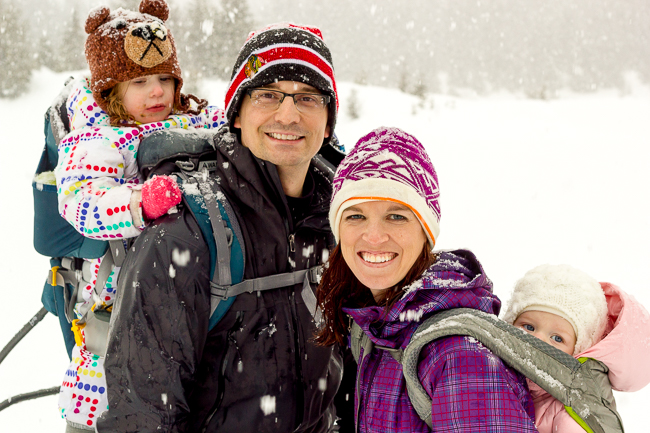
(455, 280)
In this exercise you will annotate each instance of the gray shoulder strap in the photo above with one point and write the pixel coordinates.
(209, 190)
(581, 386)
(221, 286)
(263, 283)
(356, 340)
(222, 234)
(359, 340)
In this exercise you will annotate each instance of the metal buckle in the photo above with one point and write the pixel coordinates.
(315, 274)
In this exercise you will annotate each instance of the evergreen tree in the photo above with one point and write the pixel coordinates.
(70, 46)
(16, 60)
(233, 27)
(208, 37)
(354, 106)
(194, 33)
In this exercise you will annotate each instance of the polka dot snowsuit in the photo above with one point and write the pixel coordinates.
(96, 173)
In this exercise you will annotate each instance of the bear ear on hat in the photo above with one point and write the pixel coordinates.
(156, 8)
(96, 18)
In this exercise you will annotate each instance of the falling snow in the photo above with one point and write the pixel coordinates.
(267, 404)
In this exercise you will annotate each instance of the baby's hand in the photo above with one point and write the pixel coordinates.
(159, 194)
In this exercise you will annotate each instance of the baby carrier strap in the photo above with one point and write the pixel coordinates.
(581, 385)
(192, 158)
(74, 272)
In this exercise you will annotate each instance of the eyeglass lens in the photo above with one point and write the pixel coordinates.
(271, 99)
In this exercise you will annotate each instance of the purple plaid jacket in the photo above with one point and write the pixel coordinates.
(471, 389)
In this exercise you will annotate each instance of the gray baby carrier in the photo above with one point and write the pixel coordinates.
(582, 385)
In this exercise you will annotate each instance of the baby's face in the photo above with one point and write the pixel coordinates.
(549, 328)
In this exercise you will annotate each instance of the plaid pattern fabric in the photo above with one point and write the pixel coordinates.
(471, 389)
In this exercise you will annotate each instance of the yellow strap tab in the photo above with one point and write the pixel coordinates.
(577, 419)
(76, 329)
(54, 270)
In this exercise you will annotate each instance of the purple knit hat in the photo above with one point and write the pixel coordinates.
(388, 164)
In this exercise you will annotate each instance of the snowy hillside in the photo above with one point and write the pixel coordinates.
(523, 182)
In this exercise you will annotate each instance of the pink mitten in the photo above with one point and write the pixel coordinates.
(159, 194)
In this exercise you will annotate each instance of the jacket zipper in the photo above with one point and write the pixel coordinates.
(224, 364)
(298, 359)
(292, 243)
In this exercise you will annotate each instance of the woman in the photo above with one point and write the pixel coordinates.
(384, 275)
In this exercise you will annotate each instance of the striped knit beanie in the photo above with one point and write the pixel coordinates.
(388, 164)
(566, 292)
(283, 52)
(123, 45)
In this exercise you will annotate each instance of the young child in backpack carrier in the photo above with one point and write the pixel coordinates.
(134, 90)
(571, 311)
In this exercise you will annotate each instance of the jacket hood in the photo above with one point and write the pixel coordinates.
(455, 280)
(626, 343)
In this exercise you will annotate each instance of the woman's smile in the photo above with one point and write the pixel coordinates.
(380, 241)
(371, 257)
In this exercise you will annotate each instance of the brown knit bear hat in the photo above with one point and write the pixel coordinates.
(124, 45)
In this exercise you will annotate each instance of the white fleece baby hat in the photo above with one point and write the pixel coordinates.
(566, 292)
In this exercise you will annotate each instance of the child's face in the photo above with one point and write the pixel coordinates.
(149, 98)
(549, 328)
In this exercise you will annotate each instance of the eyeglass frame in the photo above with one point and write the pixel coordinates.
(249, 91)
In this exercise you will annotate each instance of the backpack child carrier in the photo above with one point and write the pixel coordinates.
(582, 385)
(54, 237)
(188, 156)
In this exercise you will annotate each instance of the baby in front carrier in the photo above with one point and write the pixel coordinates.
(134, 90)
(571, 311)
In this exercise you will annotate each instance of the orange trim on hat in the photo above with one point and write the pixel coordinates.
(417, 214)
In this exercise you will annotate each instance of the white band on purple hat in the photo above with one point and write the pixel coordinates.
(355, 192)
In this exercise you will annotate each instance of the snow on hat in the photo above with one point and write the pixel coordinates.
(283, 52)
(124, 45)
(388, 164)
(564, 291)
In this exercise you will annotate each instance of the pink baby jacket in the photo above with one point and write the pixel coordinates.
(625, 344)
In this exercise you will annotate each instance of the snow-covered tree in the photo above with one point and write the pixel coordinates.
(69, 41)
(235, 22)
(16, 58)
(208, 36)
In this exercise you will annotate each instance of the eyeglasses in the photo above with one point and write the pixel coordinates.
(306, 103)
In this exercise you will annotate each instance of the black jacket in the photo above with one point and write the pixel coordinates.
(257, 370)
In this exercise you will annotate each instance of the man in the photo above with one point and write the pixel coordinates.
(257, 370)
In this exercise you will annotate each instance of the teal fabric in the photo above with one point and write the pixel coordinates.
(53, 300)
(200, 212)
(53, 235)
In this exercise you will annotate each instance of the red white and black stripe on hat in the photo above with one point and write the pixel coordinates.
(283, 52)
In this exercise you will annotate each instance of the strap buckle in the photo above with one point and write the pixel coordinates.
(315, 273)
(219, 291)
(76, 329)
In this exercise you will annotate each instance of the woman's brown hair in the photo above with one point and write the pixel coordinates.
(339, 287)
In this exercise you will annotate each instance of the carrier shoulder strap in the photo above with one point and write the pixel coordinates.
(222, 233)
(581, 385)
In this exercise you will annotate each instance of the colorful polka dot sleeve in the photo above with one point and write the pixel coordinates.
(96, 173)
(83, 393)
(97, 167)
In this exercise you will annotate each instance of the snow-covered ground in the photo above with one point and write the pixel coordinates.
(523, 182)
